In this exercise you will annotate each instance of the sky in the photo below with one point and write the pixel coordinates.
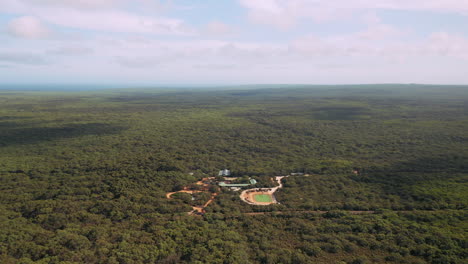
(198, 42)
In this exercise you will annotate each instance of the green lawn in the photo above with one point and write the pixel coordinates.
(262, 198)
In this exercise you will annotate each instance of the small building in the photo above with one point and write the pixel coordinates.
(297, 174)
(237, 185)
(224, 173)
(223, 184)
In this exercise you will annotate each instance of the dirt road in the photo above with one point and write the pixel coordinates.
(248, 196)
(196, 209)
(168, 195)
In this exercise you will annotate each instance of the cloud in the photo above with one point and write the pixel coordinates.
(286, 13)
(371, 18)
(28, 27)
(448, 6)
(313, 46)
(217, 28)
(373, 33)
(119, 21)
(445, 44)
(381, 43)
(21, 58)
(105, 37)
(269, 6)
(78, 4)
(372, 46)
(152, 53)
(100, 15)
(138, 62)
(71, 51)
(215, 66)
(379, 32)
(270, 12)
(89, 5)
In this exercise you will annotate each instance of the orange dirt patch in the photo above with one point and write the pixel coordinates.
(201, 209)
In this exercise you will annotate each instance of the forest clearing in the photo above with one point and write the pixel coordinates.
(262, 196)
(255, 196)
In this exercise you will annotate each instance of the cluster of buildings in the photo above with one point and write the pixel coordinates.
(229, 182)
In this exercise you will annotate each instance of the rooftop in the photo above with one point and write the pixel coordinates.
(224, 172)
(223, 184)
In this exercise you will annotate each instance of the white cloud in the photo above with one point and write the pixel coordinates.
(28, 27)
(450, 6)
(71, 51)
(286, 13)
(217, 28)
(445, 44)
(138, 62)
(313, 46)
(367, 42)
(21, 58)
(378, 32)
(368, 45)
(218, 67)
(79, 4)
(113, 34)
(118, 21)
(371, 18)
(99, 15)
(270, 6)
(369, 48)
(277, 13)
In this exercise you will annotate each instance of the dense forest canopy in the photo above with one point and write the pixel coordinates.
(84, 174)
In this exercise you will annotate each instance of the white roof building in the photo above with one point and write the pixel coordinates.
(224, 172)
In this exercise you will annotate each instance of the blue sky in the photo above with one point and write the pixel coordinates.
(182, 42)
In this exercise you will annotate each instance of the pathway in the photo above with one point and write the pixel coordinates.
(196, 209)
(247, 195)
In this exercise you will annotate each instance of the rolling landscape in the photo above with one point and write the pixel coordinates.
(377, 174)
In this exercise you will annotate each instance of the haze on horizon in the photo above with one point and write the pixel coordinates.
(234, 41)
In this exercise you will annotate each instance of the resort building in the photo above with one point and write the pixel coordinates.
(224, 172)
(223, 184)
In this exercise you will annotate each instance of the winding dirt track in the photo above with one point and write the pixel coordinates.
(196, 209)
(305, 212)
(201, 209)
(248, 196)
(350, 212)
